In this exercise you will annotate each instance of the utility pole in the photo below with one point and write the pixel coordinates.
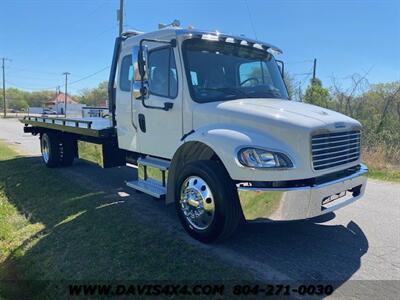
(55, 97)
(120, 16)
(4, 88)
(314, 69)
(65, 94)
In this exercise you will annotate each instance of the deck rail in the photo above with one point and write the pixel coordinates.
(63, 121)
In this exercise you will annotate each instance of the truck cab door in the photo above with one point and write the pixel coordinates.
(160, 130)
(126, 106)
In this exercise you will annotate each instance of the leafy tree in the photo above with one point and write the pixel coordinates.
(40, 98)
(16, 99)
(95, 96)
(290, 84)
(255, 72)
(19, 104)
(316, 94)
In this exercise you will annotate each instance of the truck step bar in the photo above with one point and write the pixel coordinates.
(152, 176)
(157, 163)
(150, 187)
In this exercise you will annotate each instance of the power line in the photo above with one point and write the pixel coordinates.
(300, 74)
(298, 62)
(13, 68)
(90, 75)
(62, 85)
(15, 75)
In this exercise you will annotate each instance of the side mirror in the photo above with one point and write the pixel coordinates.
(140, 84)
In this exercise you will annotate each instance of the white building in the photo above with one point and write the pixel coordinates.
(57, 104)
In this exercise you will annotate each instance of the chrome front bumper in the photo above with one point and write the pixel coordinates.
(284, 204)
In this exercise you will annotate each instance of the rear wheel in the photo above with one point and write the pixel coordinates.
(207, 202)
(50, 147)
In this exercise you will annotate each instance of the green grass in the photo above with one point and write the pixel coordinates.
(52, 228)
(385, 174)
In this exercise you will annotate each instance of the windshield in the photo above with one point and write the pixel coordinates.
(219, 71)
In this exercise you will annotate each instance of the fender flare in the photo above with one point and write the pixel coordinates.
(217, 142)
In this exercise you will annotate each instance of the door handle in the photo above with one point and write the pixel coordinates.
(133, 112)
(168, 106)
(142, 122)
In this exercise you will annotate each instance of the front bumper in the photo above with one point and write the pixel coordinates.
(284, 204)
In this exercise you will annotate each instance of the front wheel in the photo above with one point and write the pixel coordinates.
(207, 202)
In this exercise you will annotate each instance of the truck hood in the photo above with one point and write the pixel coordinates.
(278, 124)
(259, 112)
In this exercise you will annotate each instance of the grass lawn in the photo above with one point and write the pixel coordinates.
(380, 167)
(51, 228)
(387, 174)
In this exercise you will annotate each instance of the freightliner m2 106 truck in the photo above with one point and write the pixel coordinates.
(207, 120)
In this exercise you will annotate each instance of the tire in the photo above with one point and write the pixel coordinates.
(68, 152)
(210, 184)
(50, 148)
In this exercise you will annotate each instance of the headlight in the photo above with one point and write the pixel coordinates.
(260, 158)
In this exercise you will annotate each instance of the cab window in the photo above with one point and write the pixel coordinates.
(126, 73)
(163, 80)
(254, 73)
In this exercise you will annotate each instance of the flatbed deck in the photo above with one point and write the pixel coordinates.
(92, 127)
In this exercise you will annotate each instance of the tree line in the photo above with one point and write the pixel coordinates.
(376, 106)
(20, 100)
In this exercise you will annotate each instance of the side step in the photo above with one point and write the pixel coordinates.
(153, 162)
(149, 187)
(152, 176)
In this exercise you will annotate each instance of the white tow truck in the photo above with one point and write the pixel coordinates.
(207, 119)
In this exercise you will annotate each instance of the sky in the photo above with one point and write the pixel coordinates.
(44, 38)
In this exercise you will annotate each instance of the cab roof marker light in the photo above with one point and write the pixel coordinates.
(245, 43)
(273, 51)
(210, 37)
(230, 40)
(258, 46)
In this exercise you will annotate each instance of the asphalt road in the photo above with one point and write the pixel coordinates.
(357, 246)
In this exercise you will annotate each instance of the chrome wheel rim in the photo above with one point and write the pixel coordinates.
(197, 203)
(45, 151)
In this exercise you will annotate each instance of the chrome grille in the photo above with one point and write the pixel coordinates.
(335, 149)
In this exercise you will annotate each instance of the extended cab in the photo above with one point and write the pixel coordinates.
(207, 119)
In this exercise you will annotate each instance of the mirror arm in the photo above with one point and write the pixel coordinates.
(282, 67)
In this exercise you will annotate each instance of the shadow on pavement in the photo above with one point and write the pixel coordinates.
(304, 250)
